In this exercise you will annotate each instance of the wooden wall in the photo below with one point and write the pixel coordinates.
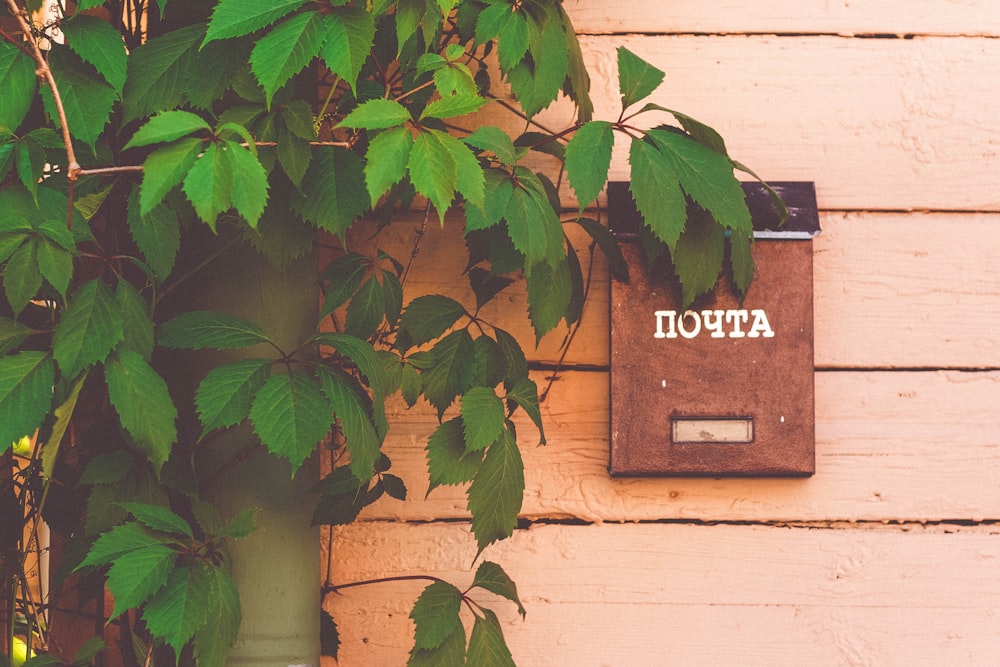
(890, 554)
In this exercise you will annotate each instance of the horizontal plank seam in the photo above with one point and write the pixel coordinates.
(542, 366)
(767, 33)
(817, 524)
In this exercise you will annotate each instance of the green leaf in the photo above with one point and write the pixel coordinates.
(89, 329)
(549, 292)
(606, 241)
(12, 334)
(703, 134)
(513, 42)
(118, 541)
(657, 192)
(486, 645)
(140, 397)
(286, 50)
(361, 353)
(385, 161)
(98, 43)
(344, 275)
(517, 364)
(159, 519)
(491, 577)
(496, 493)
(222, 620)
(491, 21)
(428, 317)
(180, 608)
(18, 81)
(433, 171)
(741, 259)
(167, 126)
(137, 575)
(333, 189)
(435, 614)
(707, 177)
(450, 653)
(483, 417)
(452, 372)
(157, 234)
(30, 159)
(495, 140)
(25, 394)
(163, 170)
(291, 415)
(88, 651)
(350, 33)
(200, 329)
(137, 325)
(55, 264)
(156, 72)
(86, 100)
(490, 362)
(469, 178)
(449, 462)
(698, 257)
(249, 182)
(235, 18)
(352, 409)
(208, 184)
(588, 158)
(453, 106)
(63, 415)
(636, 77)
(376, 114)
(366, 310)
(224, 396)
(22, 277)
(525, 394)
(212, 70)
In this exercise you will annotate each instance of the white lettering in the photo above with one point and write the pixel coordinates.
(713, 325)
(690, 323)
(737, 316)
(760, 325)
(697, 324)
(671, 319)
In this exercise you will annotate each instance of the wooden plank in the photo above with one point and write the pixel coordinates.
(888, 291)
(895, 124)
(654, 594)
(890, 446)
(892, 17)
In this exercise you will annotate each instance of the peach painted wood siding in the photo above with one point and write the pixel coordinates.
(890, 554)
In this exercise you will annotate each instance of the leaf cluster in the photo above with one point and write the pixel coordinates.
(273, 124)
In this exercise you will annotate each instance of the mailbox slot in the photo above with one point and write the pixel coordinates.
(724, 387)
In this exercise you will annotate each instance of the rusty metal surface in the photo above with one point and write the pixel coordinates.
(767, 380)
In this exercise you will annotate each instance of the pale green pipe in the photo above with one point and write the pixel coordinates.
(276, 568)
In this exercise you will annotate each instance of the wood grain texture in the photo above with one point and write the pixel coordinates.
(890, 290)
(867, 17)
(896, 124)
(890, 446)
(655, 594)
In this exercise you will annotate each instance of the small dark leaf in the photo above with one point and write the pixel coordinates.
(448, 461)
(394, 486)
(329, 637)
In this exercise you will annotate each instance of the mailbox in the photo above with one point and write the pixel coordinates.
(724, 387)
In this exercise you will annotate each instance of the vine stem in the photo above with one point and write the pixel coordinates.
(331, 588)
(73, 167)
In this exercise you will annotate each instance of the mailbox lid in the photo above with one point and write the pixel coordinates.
(799, 197)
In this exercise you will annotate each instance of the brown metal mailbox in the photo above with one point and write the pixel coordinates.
(723, 388)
